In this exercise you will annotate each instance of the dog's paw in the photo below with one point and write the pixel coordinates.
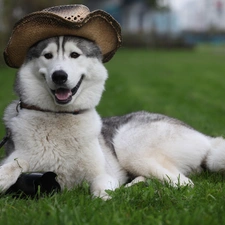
(182, 181)
(102, 183)
(10, 172)
(102, 195)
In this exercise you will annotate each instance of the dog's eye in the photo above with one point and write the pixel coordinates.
(74, 55)
(48, 55)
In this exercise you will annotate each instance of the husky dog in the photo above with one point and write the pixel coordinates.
(55, 127)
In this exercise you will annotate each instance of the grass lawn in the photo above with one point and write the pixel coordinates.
(188, 85)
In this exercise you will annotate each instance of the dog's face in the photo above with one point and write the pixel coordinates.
(62, 72)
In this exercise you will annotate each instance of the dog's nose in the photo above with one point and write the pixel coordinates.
(59, 77)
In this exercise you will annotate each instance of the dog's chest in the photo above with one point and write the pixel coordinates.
(56, 143)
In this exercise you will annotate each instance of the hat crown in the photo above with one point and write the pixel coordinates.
(71, 20)
(73, 13)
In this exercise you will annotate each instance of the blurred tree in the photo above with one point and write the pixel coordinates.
(152, 3)
(158, 4)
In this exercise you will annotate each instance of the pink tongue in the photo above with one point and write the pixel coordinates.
(63, 94)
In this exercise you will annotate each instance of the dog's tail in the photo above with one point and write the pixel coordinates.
(215, 160)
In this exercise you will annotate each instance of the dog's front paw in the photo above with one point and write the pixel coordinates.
(102, 195)
(102, 183)
(10, 172)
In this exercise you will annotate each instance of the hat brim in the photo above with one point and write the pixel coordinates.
(98, 26)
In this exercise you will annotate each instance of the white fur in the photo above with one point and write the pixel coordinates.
(161, 150)
(72, 145)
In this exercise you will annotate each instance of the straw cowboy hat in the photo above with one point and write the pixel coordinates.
(76, 20)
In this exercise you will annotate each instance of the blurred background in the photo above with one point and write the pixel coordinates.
(145, 23)
(171, 61)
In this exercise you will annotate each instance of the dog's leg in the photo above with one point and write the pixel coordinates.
(215, 160)
(151, 168)
(96, 171)
(10, 171)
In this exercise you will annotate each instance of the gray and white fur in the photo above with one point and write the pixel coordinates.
(56, 127)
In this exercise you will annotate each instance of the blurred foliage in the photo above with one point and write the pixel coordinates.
(158, 4)
(153, 3)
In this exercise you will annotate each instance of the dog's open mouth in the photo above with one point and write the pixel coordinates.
(64, 95)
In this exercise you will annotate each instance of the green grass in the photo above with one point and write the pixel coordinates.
(189, 85)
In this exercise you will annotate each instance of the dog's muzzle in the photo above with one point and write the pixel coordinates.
(64, 95)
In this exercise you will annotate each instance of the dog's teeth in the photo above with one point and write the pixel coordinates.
(63, 94)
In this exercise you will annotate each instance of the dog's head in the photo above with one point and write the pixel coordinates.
(62, 73)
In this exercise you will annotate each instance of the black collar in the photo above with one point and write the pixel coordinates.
(23, 105)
